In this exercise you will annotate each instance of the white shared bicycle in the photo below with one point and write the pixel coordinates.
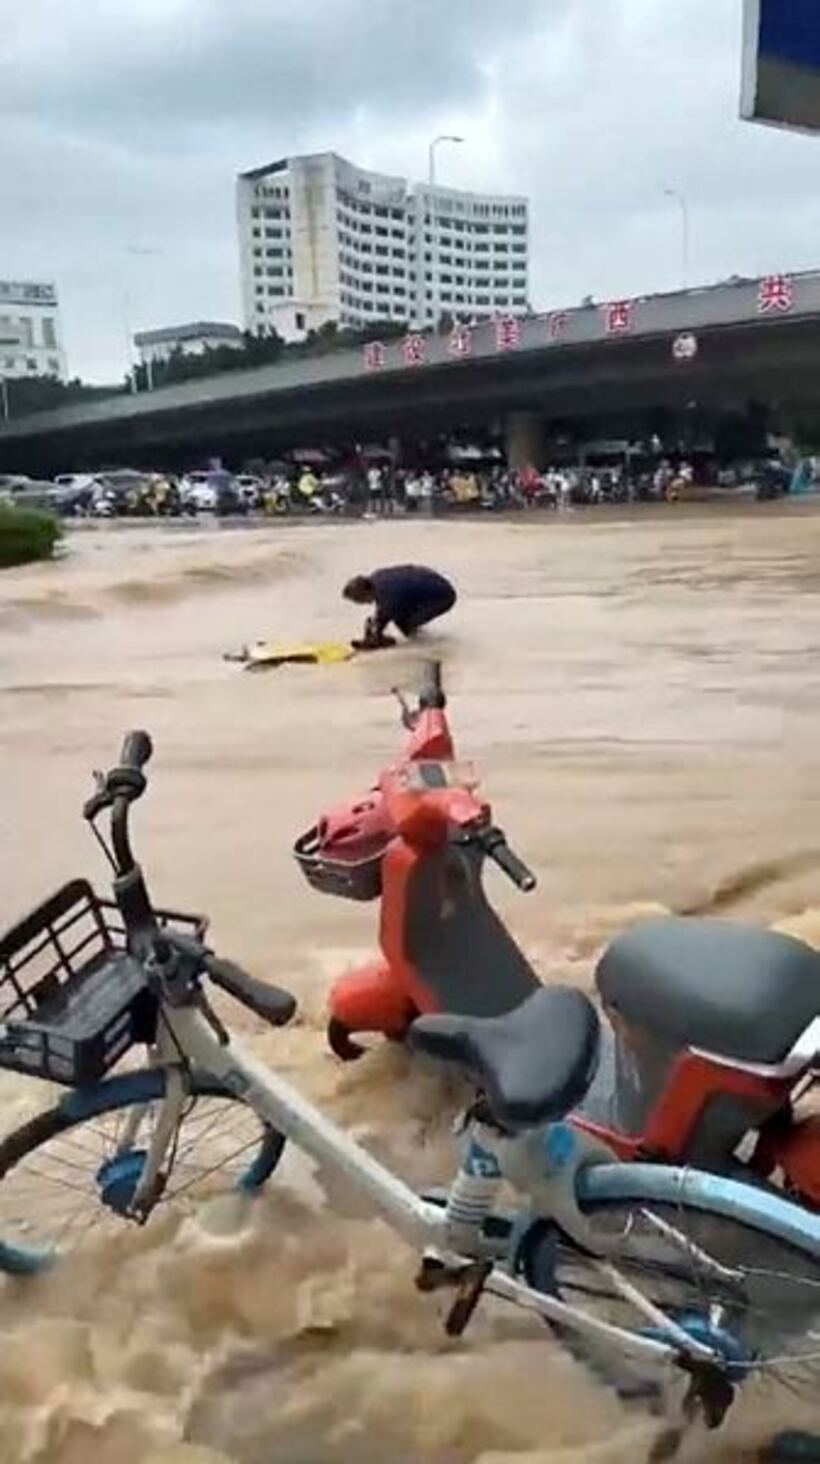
(648, 1274)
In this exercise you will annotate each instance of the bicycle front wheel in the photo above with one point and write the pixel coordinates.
(69, 1173)
(735, 1268)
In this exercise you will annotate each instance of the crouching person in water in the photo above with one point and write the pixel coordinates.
(405, 595)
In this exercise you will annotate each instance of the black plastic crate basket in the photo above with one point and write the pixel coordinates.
(72, 999)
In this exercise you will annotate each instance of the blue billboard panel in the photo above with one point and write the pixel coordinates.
(781, 63)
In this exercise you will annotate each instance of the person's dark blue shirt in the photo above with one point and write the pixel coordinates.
(404, 592)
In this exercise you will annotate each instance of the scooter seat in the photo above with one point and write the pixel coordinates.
(534, 1063)
(734, 990)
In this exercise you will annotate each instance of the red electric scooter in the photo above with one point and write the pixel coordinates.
(418, 841)
(712, 1037)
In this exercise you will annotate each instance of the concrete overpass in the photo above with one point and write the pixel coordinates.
(719, 346)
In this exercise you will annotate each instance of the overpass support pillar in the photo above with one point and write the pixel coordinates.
(524, 440)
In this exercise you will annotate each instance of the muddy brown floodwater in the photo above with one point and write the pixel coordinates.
(642, 696)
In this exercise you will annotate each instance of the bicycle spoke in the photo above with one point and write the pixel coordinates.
(206, 1173)
(50, 1196)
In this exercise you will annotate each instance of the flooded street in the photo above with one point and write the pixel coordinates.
(641, 695)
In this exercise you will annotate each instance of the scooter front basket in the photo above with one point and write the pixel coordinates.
(352, 879)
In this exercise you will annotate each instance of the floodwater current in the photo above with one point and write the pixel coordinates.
(641, 695)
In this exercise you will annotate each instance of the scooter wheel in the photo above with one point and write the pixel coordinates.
(340, 1042)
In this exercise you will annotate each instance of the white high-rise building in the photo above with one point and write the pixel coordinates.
(322, 240)
(30, 337)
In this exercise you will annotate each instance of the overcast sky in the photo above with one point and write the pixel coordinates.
(124, 122)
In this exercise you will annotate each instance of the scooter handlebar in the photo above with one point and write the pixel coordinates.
(432, 687)
(496, 848)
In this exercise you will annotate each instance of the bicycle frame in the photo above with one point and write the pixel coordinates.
(186, 1032)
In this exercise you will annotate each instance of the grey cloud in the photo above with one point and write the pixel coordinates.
(204, 64)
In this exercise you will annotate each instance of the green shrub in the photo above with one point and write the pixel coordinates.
(26, 534)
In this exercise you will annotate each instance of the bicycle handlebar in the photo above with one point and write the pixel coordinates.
(124, 784)
(136, 750)
(270, 1002)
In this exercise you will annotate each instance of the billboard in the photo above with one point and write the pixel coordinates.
(781, 63)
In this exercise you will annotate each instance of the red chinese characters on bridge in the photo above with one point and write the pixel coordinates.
(775, 294)
(507, 332)
(618, 317)
(460, 342)
(373, 355)
(414, 350)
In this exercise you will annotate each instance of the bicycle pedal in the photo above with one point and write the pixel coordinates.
(435, 1274)
(470, 1289)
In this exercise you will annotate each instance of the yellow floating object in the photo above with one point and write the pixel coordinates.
(277, 653)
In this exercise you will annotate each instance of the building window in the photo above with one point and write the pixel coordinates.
(49, 336)
(519, 229)
(482, 299)
(519, 300)
(299, 319)
(31, 364)
(257, 269)
(257, 233)
(502, 300)
(54, 365)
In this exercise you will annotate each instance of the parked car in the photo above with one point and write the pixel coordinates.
(210, 492)
(24, 492)
(75, 492)
(119, 491)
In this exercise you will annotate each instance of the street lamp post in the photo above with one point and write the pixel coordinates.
(683, 204)
(136, 251)
(4, 397)
(431, 179)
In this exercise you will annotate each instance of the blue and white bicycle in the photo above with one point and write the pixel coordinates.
(649, 1274)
